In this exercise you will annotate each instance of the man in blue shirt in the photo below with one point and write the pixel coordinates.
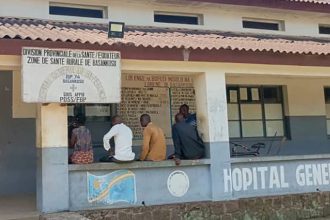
(187, 143)
(189, 118)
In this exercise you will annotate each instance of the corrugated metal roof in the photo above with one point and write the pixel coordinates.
(43, 30)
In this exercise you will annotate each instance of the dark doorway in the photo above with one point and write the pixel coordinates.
(17, 146)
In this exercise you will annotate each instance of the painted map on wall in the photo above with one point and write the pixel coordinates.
(115, 187)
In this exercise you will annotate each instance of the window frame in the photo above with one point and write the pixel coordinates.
(200, 17)
(263, 112)
(104, 9)
(81, 109)
(326, 102)
(280, 23)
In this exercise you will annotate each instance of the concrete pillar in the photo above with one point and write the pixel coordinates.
(52, 158)
(212, 119)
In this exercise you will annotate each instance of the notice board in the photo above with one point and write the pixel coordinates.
(160, 96)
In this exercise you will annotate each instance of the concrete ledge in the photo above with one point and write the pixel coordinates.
(136, 165)
(279, 158)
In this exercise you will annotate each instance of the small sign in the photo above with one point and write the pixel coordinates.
(178, 183)
(70, 76)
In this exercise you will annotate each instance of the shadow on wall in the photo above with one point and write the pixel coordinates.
(17, 146)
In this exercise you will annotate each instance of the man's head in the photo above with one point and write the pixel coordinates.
(79, 121)
(145, 120)
(184, 110)
(116, 120)
(179, 118)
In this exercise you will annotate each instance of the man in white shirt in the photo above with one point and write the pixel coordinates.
(123, 142)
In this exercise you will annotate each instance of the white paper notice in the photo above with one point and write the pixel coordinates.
(232, 95)
(243, 93)
(255, 94)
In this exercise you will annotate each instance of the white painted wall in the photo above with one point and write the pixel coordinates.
(216, 16)
(211, 105)
(21, 8)
(51, 125)
(305, 95)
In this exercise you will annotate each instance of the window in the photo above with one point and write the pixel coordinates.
(92, 112)
(167, 17)
(324, 29)
(263, 24)
(97, 118)
(327, 107)
(255, 111)
(77, 10)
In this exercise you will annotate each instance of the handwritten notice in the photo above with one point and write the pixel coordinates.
(70, 76)
(160, 96)
(152, 101)
(148, 80)
(181, 96)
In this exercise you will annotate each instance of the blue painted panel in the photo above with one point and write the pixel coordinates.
(151, 187)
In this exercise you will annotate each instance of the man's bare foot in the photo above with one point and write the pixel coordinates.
(177, 161)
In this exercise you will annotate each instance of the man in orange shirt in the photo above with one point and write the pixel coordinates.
(154, 146)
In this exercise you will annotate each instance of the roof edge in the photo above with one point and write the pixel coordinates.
(14, 47)
(310, 6)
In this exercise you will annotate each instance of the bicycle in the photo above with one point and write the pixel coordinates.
(252, 150)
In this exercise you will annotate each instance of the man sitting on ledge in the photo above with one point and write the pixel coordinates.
(123, 142)
(154, 146)
(187, 143)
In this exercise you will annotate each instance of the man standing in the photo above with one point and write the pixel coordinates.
(188, 117)
(187, 143)
(123, 142)
(154, 146)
